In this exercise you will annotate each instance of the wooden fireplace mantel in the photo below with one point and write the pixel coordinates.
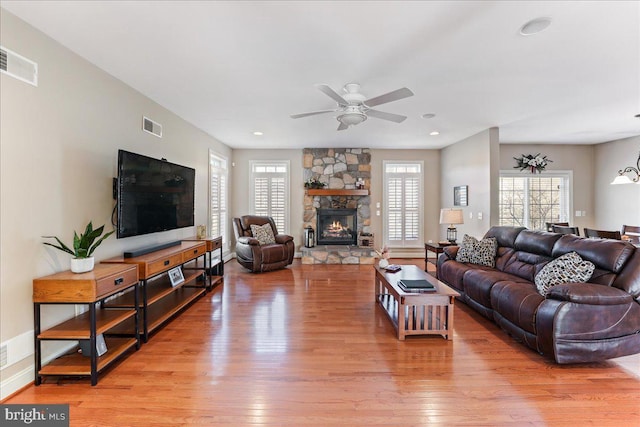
(336, 192)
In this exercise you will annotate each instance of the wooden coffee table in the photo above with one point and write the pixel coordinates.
(415, 313)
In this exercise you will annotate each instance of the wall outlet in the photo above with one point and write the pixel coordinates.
(377, 213)
(470, 215)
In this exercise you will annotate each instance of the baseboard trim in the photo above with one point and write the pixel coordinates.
(16, 383)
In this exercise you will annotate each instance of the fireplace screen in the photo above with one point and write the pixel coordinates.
(337, 227)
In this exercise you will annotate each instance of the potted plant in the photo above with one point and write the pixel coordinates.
(83, 247)
(314, 183)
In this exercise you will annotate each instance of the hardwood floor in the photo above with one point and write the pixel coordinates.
(308, 346)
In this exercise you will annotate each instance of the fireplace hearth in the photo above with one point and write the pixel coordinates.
(337, 227)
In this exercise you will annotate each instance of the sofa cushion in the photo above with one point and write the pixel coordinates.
(517, 302)
(606, 254)
(506, 235)
(525, 264)
(537, 242)
(479, 281)
(566, 269)
(478, 252)
(263, 233)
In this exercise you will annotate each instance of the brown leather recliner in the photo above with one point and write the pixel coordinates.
(256, 257)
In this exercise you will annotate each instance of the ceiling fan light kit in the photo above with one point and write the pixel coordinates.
(354, 108)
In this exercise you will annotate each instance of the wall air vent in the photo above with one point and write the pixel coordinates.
(18, 66)
(152, 127)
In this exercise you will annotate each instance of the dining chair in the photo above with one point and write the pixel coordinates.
(551, 224)
(561, 229)
(602, 234)
(632, 232)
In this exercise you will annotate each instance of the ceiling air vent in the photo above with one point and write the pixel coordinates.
(152, 127)
(18, 66)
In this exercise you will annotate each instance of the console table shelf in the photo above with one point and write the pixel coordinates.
(117, 326)
(76, 364)
(159, 301)
(78, 328)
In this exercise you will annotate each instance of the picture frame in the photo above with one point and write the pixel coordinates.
(460, 195)
(176, 276)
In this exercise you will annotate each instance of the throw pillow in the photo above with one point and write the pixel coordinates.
(263, 233)
(481, 252)
(466, 248)
(485, 252)
(570, 267)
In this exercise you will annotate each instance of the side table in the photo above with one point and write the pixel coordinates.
(436, 248)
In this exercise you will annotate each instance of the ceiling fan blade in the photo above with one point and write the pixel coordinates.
(388, 97)
(386, 116)
(343, 126)
(332, 94)
(313, 113)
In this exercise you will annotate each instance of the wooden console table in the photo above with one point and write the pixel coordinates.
(161, 300)
(93, 287)
(215, 273)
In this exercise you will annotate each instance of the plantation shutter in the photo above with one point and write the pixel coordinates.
(403, 195)
(270, 191)
(218, 198)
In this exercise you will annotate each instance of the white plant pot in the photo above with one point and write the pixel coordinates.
(82, 265)
(383, 263)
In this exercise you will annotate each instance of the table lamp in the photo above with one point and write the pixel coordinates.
(451, 217)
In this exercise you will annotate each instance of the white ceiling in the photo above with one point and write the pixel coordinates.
(232, 68)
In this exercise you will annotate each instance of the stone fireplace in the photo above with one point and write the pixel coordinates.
(337, 227)
(340, 169)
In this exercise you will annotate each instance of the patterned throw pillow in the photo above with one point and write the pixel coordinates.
(568, 268)
(263, 233)
(481, 252)
(485, 252)
(466, 248)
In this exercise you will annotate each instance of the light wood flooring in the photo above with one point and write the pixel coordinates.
(308, 346)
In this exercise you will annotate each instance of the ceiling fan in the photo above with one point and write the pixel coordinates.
(353, 108)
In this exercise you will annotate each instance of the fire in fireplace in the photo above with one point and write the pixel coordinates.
(337, 227)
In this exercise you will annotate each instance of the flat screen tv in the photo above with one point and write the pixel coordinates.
(152, 195)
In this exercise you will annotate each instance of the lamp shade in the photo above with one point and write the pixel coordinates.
(621, 179)
(451, 216)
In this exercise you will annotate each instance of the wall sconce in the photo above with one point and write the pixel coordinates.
(451, 217)
(624, 179)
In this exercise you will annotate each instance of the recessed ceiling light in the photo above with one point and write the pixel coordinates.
(434, 133)
(535, 26)
(428, 116)
(637, 116)
(258, 133)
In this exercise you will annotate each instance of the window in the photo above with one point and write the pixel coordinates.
(218, 195)
(532, 200)
(403, 204)
(270, 192)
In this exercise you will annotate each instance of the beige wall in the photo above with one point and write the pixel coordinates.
(240, 182)
(59, 144)
(431, 186)
(473, 162)
(576, 158)
(616, 205)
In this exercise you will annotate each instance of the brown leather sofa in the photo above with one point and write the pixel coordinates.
(575, 322)
(258, 258)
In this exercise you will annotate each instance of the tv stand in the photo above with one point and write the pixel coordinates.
(159, 299)
(149, 249)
